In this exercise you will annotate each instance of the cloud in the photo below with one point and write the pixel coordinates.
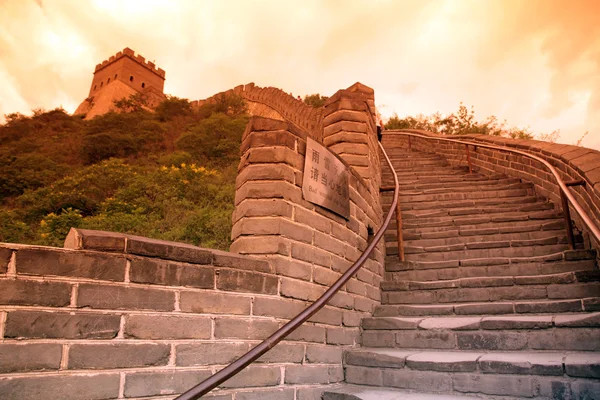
(531, 62)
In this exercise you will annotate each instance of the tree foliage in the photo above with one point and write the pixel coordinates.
(168, 174)
(315, 100)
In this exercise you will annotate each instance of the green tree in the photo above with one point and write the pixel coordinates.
(315, 100)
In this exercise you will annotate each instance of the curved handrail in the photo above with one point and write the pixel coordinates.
(562, 185)
(213, 381)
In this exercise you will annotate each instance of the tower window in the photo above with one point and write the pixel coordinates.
(143, 85)
(115, 76)
(95, 86)
(101, 83)
(131, 78)
(108, 81)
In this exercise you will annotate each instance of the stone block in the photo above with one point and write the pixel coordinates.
(328, 316)
(290, 267)
(312, 219)
(585, 390)
(141, 326)
(574, 291)
(311, 254)
(167, 250)
(554, 388)
(118, 355)
(124, 298)
(169, 273)
(5, 255)
(110, 267)
(262, 208)
(268, 190)
(518, 386)
(245, 281)
(325, 276)
(95, 240)
(284, 353)
(417, 380)
(308, 333)
(491, 340)
(283, 394)
(426, 339)
(306, 374)
(451, 323)
(50, 325)
(587, 320)
(385, 358)
(585, 365)
(277, 307)
(557, 306)
(300, 290)
(214, 303)
(25, 357)
(342, 336)
(324, 354)
(351, 319)
(70, 387)
(261, 245)
(390, 323)
(204, 353)
(244, 328)
(19, 292)
(582, 339)
(364, 376)
(517, 322)
(155, 383)
(522, 363)
(443, 361)
(255, 376)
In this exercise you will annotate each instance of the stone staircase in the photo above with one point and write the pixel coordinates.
(490, 301)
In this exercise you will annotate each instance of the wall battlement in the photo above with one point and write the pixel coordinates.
(127, 52)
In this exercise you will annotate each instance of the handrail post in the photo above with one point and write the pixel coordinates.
(469, 159)
(399, 231)
(567, 217)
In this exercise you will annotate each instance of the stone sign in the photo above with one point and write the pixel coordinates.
(325, 179)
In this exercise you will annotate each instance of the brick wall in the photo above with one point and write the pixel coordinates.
(118, 316)
(572, 163)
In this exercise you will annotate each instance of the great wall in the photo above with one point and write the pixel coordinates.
(490, 300)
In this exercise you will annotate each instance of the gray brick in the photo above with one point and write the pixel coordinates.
(70, 387)
(336, 373)
(214, 303)
(118, 355)
(124, 298)
(308, 333)
(343, 336)
(95, 240)
(167, 250)
(583, 339)
(517, 322)
(306, 374)
(325, 276)
(310, 253)
(378, 339)
(364, 376)
(261, 245)
(554, 388)
(522, 363)
(324, 354)
(28, 293)
(263, 208)
(351, 319)
(167, 327)
(237, 261)
(443, 361)
(77, 264)
(243, 281)
(386, 358)
(585, 365)
(140, 384)
(549, 306)
(520, 386)
(327, 315)
(426, 339)
(208, 353)
(255, 376)
(301, 290)
(273, 394)
(244, 328)
(585, 390)
(290, 267)
(169, 273)
(284, 353)
(39, 324)
(29, 357)
(312, 219)
(277, 307)
(491, 340)
(417, 380)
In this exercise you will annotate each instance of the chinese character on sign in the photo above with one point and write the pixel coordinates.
(327, 163)
(324, 179)
(315, 156)
(314, 174)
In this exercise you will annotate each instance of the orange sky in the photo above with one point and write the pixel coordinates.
(533, 62)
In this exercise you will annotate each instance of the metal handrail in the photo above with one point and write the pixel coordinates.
(564, 191)
(232, 369)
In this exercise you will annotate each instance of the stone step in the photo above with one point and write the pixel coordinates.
(450, 205)
(482, 293)
(425, 272)
(522, 248)
(436, 182)
(480, 215)
(492, 192)
(484, 228)
(358, 392)
(481, 236)
(587, 304)
(517, 375)
(493, 281)
(487, 333)
(459, 187)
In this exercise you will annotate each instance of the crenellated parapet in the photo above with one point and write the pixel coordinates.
(127, 52)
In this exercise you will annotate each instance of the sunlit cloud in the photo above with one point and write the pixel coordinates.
(534, 63)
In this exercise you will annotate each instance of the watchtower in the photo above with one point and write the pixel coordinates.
(134, 71)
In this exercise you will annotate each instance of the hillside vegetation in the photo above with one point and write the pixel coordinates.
(166, 175)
